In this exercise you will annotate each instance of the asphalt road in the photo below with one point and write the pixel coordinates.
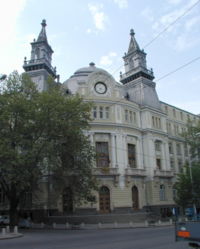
(136, 238)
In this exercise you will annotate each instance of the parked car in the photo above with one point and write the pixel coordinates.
(24, 223)
(4, 220)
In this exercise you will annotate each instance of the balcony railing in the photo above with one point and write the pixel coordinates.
(163, 173)
(135, 172)
(105, 171)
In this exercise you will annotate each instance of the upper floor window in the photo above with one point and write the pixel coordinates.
(158, 145)
(172, 164)
(101, 112)
(158, 163)
(166, 109)
(169, 127)
(174, 113)
(176, 130)
(156, 122)
(171, 151)
(178, 149)
(181, 115)
(130, 116)
(102, 154)
(132, 155)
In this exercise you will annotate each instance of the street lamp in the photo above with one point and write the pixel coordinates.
(192, 182)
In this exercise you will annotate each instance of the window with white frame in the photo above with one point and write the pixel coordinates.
(156, 122)
(130, 117)
(101, 112)
(132, 155)
(162, 192)
(102, 154)
(158, 145)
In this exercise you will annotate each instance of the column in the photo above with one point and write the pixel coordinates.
(113, 150)
(139, 154)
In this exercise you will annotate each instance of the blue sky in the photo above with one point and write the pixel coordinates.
(81, 31)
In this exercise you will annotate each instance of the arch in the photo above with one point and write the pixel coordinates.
(135, 198)
(67, 199)
(104, 200)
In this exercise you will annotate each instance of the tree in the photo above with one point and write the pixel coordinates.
(187, 184)
(42, 134)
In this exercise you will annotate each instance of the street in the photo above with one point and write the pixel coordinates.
(137, 238)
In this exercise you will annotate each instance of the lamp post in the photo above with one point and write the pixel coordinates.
(192, 182)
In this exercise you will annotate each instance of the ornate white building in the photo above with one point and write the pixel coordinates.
(136, 136)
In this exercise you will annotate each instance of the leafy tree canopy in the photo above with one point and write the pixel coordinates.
(42, 133)
(187, 185)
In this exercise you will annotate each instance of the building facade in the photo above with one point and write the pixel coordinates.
(136, 136)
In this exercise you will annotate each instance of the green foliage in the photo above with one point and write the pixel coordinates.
(187, 185)
(42, 134)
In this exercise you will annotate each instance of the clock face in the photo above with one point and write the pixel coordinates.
(100, 87)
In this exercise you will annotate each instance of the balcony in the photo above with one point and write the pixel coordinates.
(135, 172)
(102, 171)
(163, 173)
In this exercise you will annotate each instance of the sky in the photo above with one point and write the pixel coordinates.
(84, 31)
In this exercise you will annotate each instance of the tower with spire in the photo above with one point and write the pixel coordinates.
(39, 66)
(137, 79)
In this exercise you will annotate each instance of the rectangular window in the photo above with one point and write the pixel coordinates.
(166, 109)
(171, 151)
(158, 163)
(132, 155)
(157, 145)
(174, 113)
(130, 116)
(181, 115)
(126, 115)
(180, 164)
(172, 165)
(178, 149)
(107, 112)
(100, 112)
(162, 192)
(94, 112)
(102, 153)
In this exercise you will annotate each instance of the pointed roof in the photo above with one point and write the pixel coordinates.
(133, 45)
(42, 35)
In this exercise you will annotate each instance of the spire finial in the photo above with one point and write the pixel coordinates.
(44, 23)
(132, 33)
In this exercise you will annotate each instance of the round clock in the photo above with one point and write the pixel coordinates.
(100, 87)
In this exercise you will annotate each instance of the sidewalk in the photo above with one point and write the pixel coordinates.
(6, 234)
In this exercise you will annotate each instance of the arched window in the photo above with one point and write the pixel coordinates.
(104, 199)
(135, 198)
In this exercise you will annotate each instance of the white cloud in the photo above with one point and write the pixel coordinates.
(10, 13)
(192, 22)
(107, 60)
(184, 42)
(174, 2)
(122, 4)
(98, 15)
(147, 13)
(184, 32)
